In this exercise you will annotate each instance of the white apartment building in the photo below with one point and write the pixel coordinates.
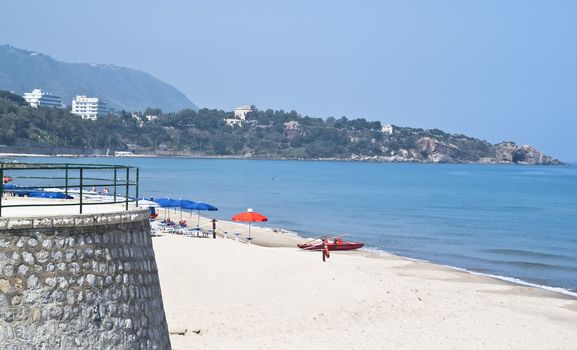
(38, 98)
(88, 107)
(240, 112)
(387, 129)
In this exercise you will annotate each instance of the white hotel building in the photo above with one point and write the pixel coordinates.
(38, 98)
(88, 107)
(240, 113)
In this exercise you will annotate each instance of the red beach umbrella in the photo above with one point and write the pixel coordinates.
(249, 216)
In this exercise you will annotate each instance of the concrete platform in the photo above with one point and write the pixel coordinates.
(44, 211)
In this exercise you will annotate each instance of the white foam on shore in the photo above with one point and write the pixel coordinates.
(518, 281)
(514, 280)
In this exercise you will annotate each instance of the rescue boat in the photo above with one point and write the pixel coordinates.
(333, 244)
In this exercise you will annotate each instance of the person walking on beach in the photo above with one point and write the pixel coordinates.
(325, 250)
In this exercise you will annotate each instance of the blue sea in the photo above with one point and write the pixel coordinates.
(517, 222)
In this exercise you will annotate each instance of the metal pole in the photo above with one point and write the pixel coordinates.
(115, 184)
(81, 187)
(1, 188)
(137, 182)
(66, 181)
(127, 186)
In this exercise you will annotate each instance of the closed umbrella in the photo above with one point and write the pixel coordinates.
(249, 216)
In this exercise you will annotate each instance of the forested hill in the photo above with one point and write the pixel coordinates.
(121, 88)
(266, 134)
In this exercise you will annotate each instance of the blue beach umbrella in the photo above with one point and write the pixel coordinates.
(168, 203)
(186, 203)
(198, 206)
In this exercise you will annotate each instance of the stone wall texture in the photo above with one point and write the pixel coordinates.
(80, 282)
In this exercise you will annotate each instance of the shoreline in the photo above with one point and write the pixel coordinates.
(277, 237)
(240, 157)
(283, 238)
(505, 279)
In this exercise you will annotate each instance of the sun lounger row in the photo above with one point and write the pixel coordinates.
(163, 228)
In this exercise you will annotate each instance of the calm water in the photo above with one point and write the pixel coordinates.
(513, 221)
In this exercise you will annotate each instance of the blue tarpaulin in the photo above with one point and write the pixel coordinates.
(55, 195)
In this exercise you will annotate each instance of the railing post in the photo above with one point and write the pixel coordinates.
(81, 187)
(115, 184)
(1, 188)
(66, 181)
(137, 183)
(127, 186)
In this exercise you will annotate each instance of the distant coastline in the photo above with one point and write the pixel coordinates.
(363, 159)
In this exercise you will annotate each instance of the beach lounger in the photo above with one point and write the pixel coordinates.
(192, 232)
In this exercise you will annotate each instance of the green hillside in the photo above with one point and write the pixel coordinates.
(266, 134)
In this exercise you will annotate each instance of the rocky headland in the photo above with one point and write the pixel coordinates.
(431, 150)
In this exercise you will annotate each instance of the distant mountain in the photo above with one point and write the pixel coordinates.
(121, 88)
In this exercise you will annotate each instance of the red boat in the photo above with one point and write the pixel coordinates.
(333, 244)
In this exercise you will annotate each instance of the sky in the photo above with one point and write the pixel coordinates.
(496, 70)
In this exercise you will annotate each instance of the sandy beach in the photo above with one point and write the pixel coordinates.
(271, 295)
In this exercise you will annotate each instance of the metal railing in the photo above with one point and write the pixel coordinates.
(72, 180)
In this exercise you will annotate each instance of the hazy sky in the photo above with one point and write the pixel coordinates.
(497, 70)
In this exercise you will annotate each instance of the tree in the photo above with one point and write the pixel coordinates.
(205, 132)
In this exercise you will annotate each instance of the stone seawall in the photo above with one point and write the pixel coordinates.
(86, 281)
